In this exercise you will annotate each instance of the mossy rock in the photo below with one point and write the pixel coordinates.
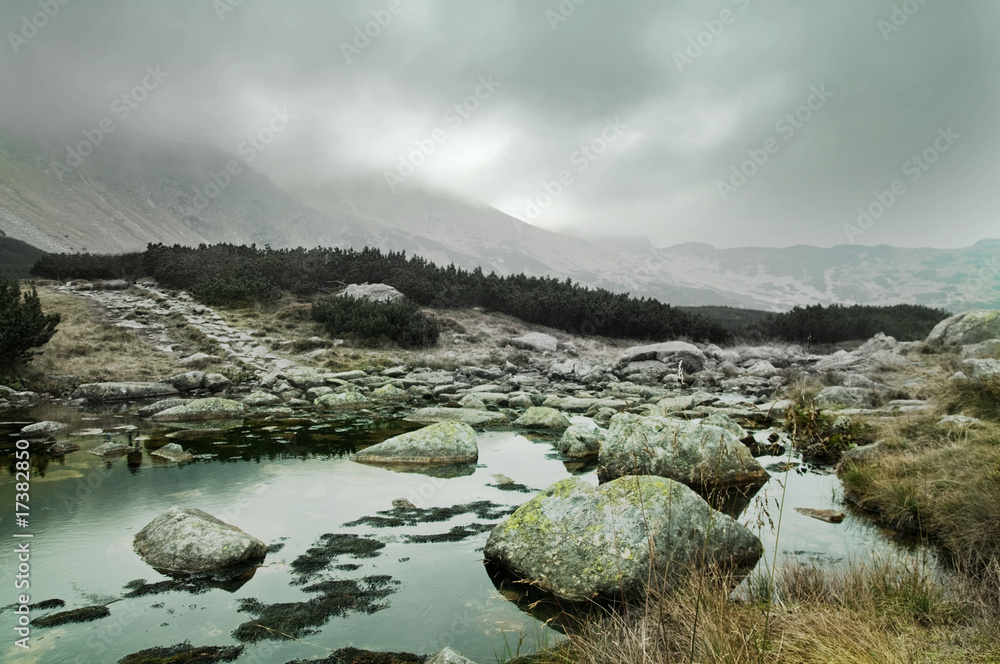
(444, 443)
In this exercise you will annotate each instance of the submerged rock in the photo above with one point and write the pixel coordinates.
(443, 443)
(702, 456)
(85, 614)
(189, 541)
(183, 653)
(580, 542)
(212, 408)
(540, 417)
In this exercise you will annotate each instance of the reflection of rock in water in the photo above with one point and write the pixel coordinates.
(195, 585)
(560, 614)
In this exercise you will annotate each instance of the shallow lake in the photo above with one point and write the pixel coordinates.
(289, 483)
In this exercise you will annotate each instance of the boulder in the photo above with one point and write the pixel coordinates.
(342, 401)
(215, 382)
(670, 352)
(984, 349)
(472, 401)
(388, 392)
(852, 397)
(581, 542)
(42, 430)
(262, 400)
(196, 410)
(540, 417)
(475, 418)
(580, 440)
(196, 359)
(536, 341)
(189, 541)
(123, 391)
(160, 406)
(444, 443)
(172, 452)
(702, 456)
(303, 378)
(110, 449)
(968, 327)
(372, 292)
(982, 369)
(185, 382)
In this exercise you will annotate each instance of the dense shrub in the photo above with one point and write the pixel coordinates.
(836, 323)
(23, 325)
(229, 274)
(374, 323)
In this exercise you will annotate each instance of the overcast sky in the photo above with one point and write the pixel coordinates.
(695, 115)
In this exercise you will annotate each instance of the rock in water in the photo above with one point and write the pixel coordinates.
(42, 430)
(580, 542)
(123, 391)
(189, 541)
(196, 410)
(540, 417)
(448, 656)
(579, 441)
(702, 456)
(173, 452)
(438, 444)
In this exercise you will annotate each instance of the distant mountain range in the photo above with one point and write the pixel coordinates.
(119, 200)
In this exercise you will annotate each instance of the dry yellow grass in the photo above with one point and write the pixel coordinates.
(91, 350)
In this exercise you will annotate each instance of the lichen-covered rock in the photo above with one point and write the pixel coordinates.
(444, 443)
(123, 391)
(727, 423)
(197, 410)
(372, 292)
(304, 378)
(472, 417)
(189, 541)
(160, 406)
(342, 401)
(185, 382)
(853, 397)
(216, 382)
(472, 401)
(262, 400)
(581, 542)
(968, 327)
(173, 452)
(389, 392)
(702, 456)
(540, 417)
(42, 430)
(579, 441)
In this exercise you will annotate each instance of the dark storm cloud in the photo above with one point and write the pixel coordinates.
(694, 90)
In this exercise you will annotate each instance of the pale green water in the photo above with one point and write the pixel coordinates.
(293, 483)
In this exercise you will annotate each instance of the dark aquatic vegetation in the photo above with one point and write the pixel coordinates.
(183, 653)
(86, 614)
(411, 516)
(330, 547)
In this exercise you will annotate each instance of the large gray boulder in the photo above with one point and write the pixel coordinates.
(197, 410)
(581, 542)
(536, 341)
(343, 401)
(189, 541)
(42, 430)
(982, 369)
(443, 443)
(968, 327)
(540, 417)
(580, 441)
(702, 456)
(123, 391)
(185, 382)
(372, 292)
(304, 378)
(670, 352)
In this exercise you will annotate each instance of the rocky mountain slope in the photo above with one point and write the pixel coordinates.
(119, 199)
